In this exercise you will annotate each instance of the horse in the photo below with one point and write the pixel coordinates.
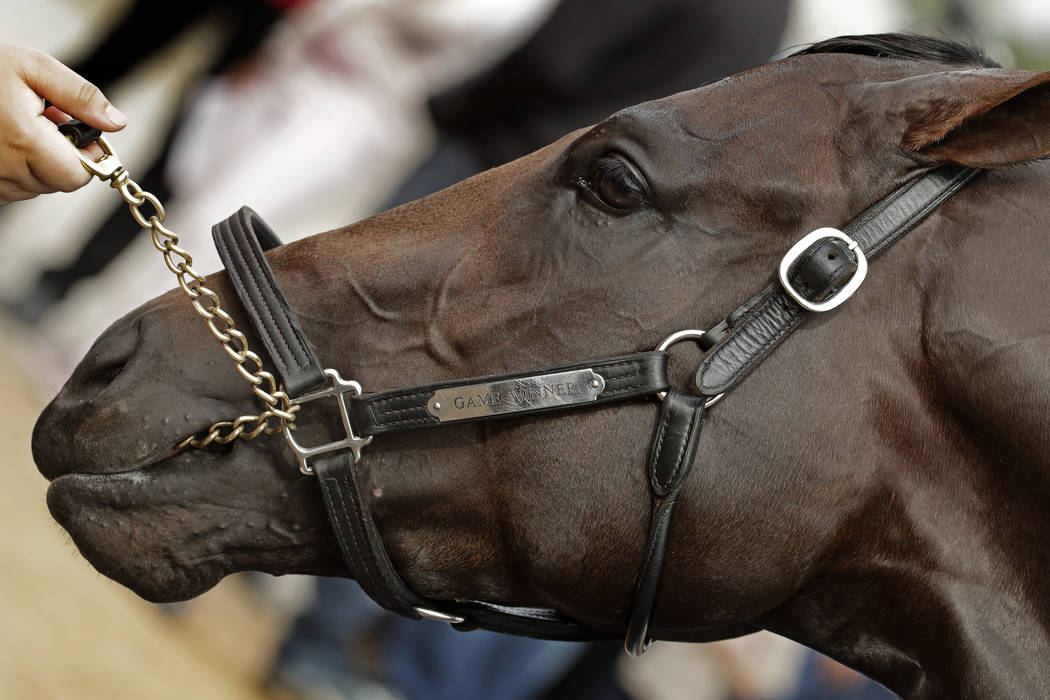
(876, 489)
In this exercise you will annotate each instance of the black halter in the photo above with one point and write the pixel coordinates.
(818, 273)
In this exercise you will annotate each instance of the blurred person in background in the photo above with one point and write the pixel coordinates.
(144, 30)
(314, 128)
(35, 158)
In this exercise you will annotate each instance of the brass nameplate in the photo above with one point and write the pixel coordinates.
(516, 395)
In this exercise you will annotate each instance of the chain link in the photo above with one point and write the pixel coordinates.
(148, 212)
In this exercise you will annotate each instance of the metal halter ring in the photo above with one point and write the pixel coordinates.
(690, 334)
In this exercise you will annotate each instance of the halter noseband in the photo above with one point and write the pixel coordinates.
(818, 273)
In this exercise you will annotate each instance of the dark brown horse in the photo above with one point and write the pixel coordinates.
(878, 489)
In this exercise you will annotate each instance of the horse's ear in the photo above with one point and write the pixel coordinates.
(988, 118)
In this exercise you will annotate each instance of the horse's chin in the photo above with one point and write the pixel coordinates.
(160, 551)
(171, 530)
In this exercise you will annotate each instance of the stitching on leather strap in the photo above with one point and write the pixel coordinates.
(754, 356)
(393, 585)
(882, 206)
(661, 434)
(686, 439)
(345, 525)
(353, 532)
(268, 309)
(407, 409)
(250, 264)
(406, 421)
(610, 376)
(377, 401)
(620, 389)
(249, 303)
(946, 190)
(625, 363)
(783, 301)
(652, 545)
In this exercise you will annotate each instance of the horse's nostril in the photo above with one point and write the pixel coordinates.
(103, 375)
(106, 360)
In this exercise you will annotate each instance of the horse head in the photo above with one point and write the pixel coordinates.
(869, 490)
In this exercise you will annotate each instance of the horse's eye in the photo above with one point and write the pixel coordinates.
(615, 183)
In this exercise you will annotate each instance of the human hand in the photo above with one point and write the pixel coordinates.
(34, 157)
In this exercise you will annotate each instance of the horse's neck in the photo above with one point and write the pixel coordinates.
(936, 582)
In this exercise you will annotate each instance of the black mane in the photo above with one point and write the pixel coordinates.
(903, 46)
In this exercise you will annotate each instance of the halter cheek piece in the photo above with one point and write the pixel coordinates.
(818, 273)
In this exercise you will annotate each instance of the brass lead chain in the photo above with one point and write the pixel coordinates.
(148, 213)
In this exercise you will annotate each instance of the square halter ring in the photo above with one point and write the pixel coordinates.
(796, 252)
(338, 390)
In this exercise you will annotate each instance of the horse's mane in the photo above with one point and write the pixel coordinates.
(904, 46)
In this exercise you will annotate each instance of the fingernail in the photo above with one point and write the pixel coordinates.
(115, 116)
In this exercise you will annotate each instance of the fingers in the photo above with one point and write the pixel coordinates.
(42, 161)
(70, 93)
(49, 160)
(11, 191)
(51, 166)
(57, 117)
(35, 157)
(54, 163)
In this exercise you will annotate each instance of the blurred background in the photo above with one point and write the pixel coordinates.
(318, 113)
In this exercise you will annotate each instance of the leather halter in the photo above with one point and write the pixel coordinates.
(818, 273)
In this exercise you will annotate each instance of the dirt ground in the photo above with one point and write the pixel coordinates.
(68, 632)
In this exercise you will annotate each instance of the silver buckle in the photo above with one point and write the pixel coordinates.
(338, 390)
(843, 294)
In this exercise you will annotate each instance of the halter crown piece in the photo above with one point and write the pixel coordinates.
(820, 272)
